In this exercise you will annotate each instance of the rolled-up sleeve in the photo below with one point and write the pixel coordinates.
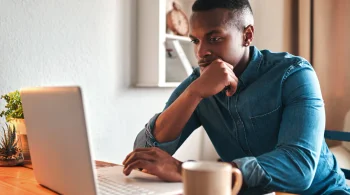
(291, 166)
(146, 139)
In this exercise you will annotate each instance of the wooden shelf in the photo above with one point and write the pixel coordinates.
(153, 62)
(176, 37)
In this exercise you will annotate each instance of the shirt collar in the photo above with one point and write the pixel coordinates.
(251, 73)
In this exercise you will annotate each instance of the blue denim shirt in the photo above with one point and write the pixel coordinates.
(272, 127)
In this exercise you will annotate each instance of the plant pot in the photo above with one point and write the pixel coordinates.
(16, 160)
(11, 148)
(21, 129)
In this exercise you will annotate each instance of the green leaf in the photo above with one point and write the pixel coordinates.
(13, 107)
(8, 144)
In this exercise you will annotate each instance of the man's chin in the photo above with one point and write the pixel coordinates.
(203, 67)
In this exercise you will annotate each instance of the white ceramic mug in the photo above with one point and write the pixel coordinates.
(208, 178)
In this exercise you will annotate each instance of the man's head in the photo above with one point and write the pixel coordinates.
(222, 29)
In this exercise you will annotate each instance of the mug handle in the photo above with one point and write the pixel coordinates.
(238, 181)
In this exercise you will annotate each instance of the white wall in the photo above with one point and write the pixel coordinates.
(89, 43)
(276, 25)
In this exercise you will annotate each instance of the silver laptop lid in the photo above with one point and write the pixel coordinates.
(58, 139)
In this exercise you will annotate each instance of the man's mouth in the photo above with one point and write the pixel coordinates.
(204, 64)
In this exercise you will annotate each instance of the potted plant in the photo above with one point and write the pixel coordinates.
(14, 109)
(14, 115)
(10, 147)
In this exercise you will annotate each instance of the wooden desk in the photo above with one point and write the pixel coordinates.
(21, 181)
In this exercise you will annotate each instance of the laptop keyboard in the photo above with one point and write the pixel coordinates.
(107, 186)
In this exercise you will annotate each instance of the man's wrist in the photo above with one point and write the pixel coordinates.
(191, 92)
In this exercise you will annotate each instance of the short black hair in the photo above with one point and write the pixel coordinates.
(238, 8)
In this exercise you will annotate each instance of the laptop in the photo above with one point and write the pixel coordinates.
(61, 153)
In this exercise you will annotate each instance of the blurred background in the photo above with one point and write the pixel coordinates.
(102, 47)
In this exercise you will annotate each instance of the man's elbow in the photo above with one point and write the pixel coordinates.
(303, 182)
(303, 170)
(297, 178)
(302, 179)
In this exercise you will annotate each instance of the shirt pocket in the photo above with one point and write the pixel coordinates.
(266, 126)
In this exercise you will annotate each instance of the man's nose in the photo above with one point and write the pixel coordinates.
(203, 51)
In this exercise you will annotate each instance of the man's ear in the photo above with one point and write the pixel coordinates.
(248, 35)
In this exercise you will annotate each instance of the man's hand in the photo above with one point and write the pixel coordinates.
(214, 78)
(156, 162)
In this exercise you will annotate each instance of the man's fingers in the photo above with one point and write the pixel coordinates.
(232, 86)
(145, 171)
(229, 66)
(230, 91)
(144, 164)
(136, 150)
(141, 155)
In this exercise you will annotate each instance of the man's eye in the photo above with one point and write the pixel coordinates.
(215, 39)
(195, 41)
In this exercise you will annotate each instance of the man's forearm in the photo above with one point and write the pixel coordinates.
(171, 122)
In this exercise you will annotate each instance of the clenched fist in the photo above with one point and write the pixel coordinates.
(214, 78)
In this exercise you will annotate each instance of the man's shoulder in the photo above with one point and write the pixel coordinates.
(283, 58)
(283, 62)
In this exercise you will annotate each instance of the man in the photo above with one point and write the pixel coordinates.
(263, 111)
